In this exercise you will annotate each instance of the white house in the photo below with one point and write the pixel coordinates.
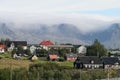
(32, 49)
(82, 50)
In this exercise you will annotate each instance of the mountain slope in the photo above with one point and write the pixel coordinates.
(5, 32)
(114, 41)
(110, 37)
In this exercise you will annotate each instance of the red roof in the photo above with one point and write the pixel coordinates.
(44, 42)
(2, 46)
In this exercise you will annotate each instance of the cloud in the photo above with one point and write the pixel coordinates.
(57, 5)
(76, 12)
(85, 22)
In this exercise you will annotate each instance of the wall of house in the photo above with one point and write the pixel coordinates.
(2, 50)
(92, 66)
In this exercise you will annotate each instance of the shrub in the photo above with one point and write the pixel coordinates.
(61, 59)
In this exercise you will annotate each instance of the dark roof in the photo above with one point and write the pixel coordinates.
(16, 43)
(114, 54)
(71, 55)
(89, 59)
(110, 60)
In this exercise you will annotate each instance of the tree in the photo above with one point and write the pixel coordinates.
(41, 52)
(20, 50)
(96, 49)
(27, 51)
(62, 52)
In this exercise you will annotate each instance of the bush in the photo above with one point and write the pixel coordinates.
(61, 59)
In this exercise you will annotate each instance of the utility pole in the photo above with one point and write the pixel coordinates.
(10, 71)
(108, 75)
(38, 75)
(80, 74)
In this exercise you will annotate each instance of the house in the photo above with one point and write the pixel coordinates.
(88, 62)
(71, 57)
(114, 54)
(44, 44)
(2, 48)
(33, 49)
(52, 56)
(16, 56)
(82, 50)
(111, 62)
(61, 46)
(14, 44)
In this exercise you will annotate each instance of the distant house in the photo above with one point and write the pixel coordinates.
(88, 62)
(44, 44)
(33, 49)
(13, 44)
(111, 62)
(34, 57)
(52, 56)
(82, 50)
(114, 54)
(61, 46)
(2, 48)
(71, 57)
(16, 56)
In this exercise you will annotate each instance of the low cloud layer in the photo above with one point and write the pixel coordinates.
(50, 12)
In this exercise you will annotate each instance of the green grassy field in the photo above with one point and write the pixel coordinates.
(6, 61)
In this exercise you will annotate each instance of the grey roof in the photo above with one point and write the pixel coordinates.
(61, 46)
(110, 60)
(71, 55)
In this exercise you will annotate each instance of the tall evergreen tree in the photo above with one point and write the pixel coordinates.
(96, 49)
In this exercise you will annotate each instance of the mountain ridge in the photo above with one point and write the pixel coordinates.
(65, 33)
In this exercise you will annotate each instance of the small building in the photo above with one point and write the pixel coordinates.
(71, 57)
(82, 50)
(61, 46)
(114, 54)
(2, 48)
(33, 49)
(111, 62)
(88, 62)
(16, 56)
(34, 57)
(52, 57)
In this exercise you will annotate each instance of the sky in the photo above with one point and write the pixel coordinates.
(88, 13)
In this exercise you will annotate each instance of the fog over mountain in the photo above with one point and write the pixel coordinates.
(108, 34)
(86, 23)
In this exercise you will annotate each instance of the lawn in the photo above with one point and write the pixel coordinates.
(6, 61)
(64, 63)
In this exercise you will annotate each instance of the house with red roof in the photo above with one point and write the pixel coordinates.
(2, 48)
(45, 43)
